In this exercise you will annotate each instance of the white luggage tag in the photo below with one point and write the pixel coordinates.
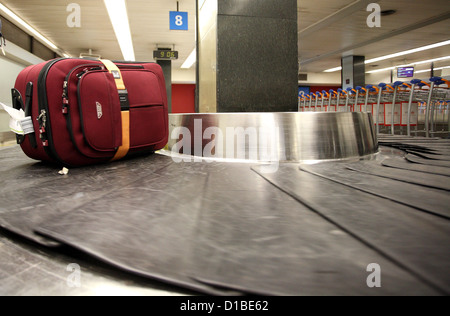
(18, 123)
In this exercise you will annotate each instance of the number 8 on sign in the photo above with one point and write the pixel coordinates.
(179, 21)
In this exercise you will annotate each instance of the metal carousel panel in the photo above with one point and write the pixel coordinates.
(283, 137)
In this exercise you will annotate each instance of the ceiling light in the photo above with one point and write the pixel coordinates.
(428, 70)
(333, 69)
(25, 25)
(190, 61)
(429, 61)
(406, 52)
(117, 10)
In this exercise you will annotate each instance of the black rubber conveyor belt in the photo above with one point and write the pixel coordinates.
(426, 199)
(430, 162)
(375, 168)
(227, 228)
(405, 165)
(380, 223)
(223, 225)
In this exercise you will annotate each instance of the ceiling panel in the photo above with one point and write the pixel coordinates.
(311, 12)
(149, 23)
(339, 29)
(341, 36)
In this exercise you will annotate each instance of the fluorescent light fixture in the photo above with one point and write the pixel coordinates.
(25, 25)
(333, 69)
(117, 10)
(406, 52)
(190, 61)
(428, 70)
(429, 61)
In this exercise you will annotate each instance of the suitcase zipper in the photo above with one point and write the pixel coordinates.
(42, 118)
(65, 98)
(45, 132)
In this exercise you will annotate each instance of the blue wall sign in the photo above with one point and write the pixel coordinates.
(179, 21)
(303, 90)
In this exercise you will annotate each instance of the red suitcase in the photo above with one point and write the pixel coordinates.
(90, 111)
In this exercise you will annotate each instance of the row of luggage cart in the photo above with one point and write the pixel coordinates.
(419, 107)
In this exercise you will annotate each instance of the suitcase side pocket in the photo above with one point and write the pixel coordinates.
(99, 109)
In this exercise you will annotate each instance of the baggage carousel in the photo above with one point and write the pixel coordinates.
(237, 204)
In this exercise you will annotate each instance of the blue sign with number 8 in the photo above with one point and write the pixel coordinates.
(179, 21)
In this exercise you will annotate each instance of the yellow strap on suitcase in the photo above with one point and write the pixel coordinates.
(123, 95)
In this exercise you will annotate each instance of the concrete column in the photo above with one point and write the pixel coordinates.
(166, 66)
(353, 71)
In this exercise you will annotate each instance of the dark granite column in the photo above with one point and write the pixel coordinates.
(353, 71)
(257, 56)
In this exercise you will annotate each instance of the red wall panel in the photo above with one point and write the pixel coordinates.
(315, 89)
(183, 98)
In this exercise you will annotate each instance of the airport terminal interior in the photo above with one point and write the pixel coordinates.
(292, 147)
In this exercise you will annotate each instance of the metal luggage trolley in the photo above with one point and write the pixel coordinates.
(342, 101)
(402, 94)
(438, 96)
(410, 110)
(392, 108)
(319, 101)
(325, 101)
(312, 102)
(385, 96)
(418, 98)
(371, 98)
(306, 99)
(333, 101)
(351, 99)
(360, 99)
(302, 98)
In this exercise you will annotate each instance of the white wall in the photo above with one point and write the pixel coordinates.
(8, 74)
(445, 72)
(322, 78)
(378, 77)
(183, 76)
(11, 65)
